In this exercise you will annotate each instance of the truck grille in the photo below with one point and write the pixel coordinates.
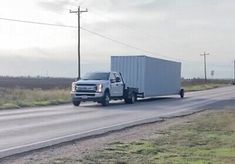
(87, 91)
(90, 88)
(86, 84)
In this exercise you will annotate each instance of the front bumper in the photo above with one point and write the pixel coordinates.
(81, 96)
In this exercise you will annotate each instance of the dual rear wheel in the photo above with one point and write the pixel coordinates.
(132, 99)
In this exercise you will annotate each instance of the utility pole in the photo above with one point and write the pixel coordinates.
(212, 73)
(79, 11)
(234, 74)
(205, 54)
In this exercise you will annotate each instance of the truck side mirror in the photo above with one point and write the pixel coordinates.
(118, 79)
(112, 80)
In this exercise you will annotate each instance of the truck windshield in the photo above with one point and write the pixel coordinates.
(96, 76)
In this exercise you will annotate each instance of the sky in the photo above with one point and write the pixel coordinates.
(178, 30)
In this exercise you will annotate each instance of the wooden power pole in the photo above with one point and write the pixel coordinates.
(234, 73)
(205, 71)
(79, 11)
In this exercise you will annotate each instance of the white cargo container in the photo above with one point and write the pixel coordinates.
(152, 76)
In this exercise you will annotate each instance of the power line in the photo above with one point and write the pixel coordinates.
(38, 23)
(120, 42)
(127, 27)
(84, 29)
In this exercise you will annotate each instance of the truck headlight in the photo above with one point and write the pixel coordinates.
(99, 88)
(73, 87)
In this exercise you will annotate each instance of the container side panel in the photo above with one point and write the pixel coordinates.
(141, 73)
(162, 77)
(131, 68)
(153, 77)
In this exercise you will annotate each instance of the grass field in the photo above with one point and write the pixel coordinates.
(207, 139)
(200, 87)
(18, 92)
(17, 98)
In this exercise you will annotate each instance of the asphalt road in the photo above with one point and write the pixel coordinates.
(28, 129)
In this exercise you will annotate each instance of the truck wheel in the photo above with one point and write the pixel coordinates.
(182, 93)
(126, 100)
(132, 99)
(106, 99)
(76, 103)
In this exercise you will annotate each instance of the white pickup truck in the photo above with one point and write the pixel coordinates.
(102, 87)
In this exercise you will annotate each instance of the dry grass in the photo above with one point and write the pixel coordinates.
(207, 139)
(17, 98)
(200, 87)
(11, 98)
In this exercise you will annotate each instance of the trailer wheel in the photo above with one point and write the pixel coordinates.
(76, 103)
(106, 99)
(182, 93)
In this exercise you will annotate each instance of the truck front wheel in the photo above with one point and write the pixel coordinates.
(76, 103)
(106, 99)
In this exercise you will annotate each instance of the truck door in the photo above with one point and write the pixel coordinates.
(113, 90)
(119, 85)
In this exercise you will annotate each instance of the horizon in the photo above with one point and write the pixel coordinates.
(54, 77)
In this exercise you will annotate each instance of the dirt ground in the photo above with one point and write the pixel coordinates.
(78, 149)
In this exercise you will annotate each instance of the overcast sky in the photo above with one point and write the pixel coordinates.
(171, 29)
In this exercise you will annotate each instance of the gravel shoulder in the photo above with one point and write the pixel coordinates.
(73, 152)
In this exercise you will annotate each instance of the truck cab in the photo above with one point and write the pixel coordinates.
(99, 87)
